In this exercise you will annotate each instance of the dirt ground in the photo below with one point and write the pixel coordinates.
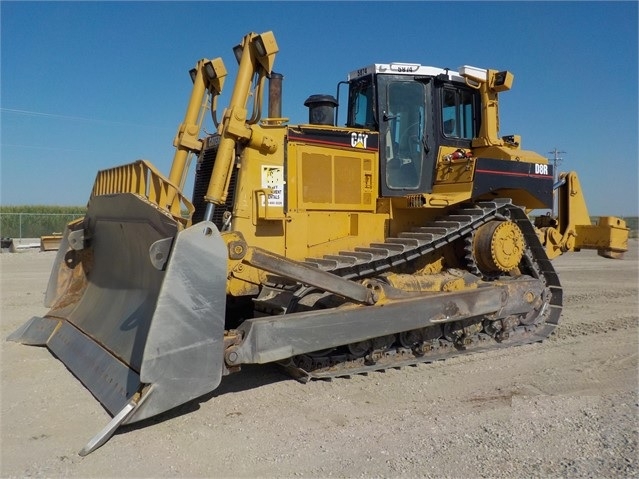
(566, 407)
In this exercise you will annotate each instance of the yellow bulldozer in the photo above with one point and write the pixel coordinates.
(399, 238)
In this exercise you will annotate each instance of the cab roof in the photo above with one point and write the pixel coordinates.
(397, 68)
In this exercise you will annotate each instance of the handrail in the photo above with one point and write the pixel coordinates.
(142, 178)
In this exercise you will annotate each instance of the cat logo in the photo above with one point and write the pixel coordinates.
(359, 140)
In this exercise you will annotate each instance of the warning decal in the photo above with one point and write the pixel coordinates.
(273, 178)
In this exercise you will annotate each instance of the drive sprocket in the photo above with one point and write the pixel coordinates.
(495, 248)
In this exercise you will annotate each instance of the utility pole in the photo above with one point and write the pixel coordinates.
(556, 160)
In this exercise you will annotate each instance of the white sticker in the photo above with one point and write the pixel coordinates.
(273, 178)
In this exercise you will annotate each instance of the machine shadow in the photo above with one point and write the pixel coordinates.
(252, 376)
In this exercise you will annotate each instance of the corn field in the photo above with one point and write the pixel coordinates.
(36, 221)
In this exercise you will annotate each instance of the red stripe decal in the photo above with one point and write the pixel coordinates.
(328, 143)
(512, 173)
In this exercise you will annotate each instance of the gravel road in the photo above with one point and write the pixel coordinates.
(567, 407)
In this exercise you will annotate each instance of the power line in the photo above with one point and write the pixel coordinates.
(556, 161)
(40, 147)
(556, 158)
(73, 118)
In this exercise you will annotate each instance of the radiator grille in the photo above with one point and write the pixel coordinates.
(203, 171)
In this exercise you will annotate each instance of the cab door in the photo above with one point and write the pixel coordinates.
(405, 126)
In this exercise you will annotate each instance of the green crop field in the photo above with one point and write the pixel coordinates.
(36, 220)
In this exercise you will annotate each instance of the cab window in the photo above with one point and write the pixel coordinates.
(458, 113)
(361, 104)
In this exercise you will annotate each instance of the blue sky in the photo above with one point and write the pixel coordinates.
(87, 86)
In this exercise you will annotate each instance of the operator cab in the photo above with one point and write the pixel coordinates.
(416, 109)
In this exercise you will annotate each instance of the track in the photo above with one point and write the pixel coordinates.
(442, 341)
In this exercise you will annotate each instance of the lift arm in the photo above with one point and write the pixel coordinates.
(208, 80)
(256, 55)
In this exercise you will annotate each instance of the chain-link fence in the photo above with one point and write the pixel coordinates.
(33, 225)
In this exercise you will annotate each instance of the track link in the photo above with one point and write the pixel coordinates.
(388, 353)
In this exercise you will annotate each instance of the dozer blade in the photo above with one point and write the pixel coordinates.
(137, 307)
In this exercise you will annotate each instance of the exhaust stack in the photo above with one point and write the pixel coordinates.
(275, 95)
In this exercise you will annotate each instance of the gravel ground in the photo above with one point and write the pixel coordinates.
(563, 408)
